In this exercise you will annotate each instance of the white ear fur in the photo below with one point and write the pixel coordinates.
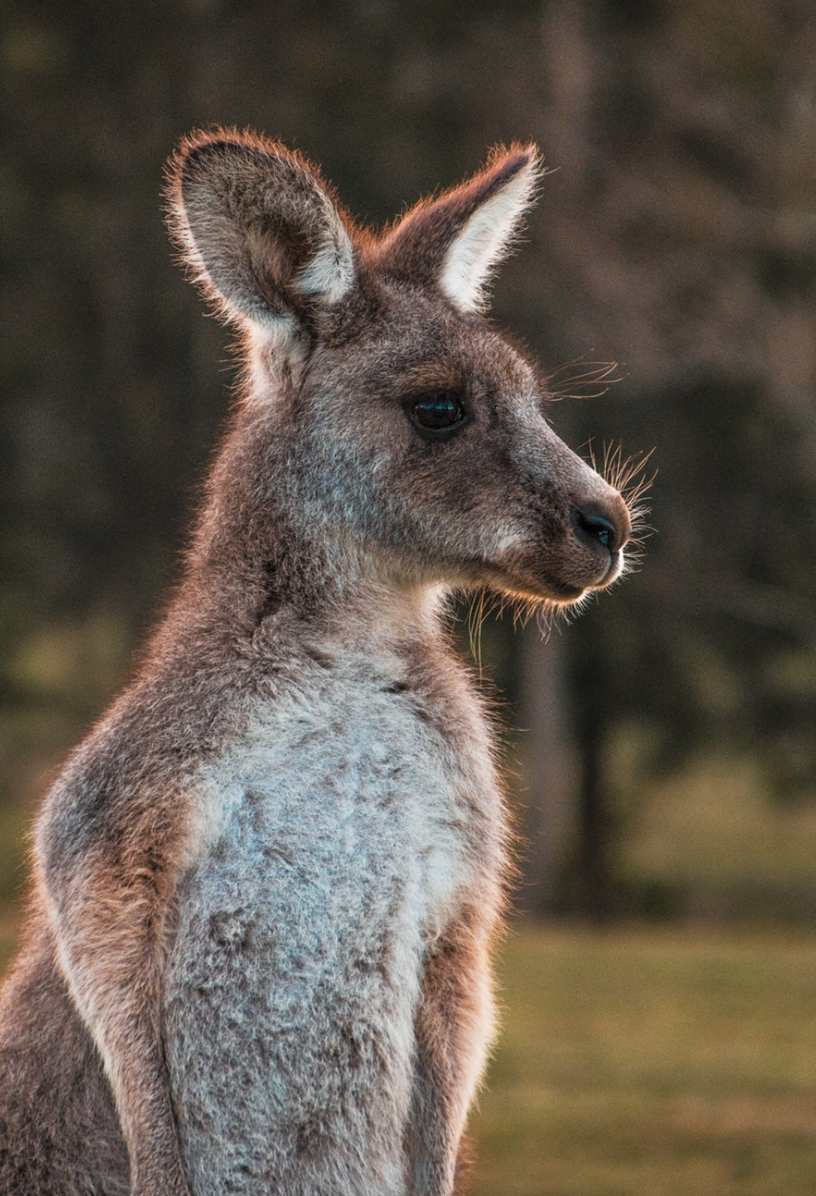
(486, 237)
(330, 273)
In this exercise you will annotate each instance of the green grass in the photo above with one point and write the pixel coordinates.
(648, 1063)
(666, 1063)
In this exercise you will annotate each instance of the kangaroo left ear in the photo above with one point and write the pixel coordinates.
(260, 231)
(457, 239)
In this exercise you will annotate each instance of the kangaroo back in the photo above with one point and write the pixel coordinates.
(267, 884)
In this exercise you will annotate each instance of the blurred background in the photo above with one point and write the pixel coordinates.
(660, 750)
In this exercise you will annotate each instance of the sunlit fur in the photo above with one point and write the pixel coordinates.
(267, 885)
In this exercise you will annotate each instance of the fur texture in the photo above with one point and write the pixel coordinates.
(267, 884)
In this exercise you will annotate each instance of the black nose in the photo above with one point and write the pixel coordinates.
(593, 528)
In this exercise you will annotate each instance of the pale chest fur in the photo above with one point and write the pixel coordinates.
(349, 768)
(340, 833)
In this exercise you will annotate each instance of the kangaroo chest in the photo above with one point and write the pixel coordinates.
(344, 831)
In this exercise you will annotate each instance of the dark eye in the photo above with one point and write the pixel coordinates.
(438, 412)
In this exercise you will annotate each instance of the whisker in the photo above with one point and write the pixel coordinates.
(591, 382)
(629, 476)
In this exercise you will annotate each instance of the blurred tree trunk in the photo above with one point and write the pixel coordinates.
(594, 857)
(549, 771)
(599, 690)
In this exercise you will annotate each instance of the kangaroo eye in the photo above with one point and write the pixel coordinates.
(438, 413)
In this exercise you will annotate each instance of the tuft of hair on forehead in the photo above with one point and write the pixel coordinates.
(455, 240)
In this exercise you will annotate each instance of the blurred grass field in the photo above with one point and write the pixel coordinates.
(649, 1062)
(660, 1062)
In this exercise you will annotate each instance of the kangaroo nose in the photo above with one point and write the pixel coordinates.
(611, 529)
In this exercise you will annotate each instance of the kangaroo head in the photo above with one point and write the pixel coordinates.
(388, 417)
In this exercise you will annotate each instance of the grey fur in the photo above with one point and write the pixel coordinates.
(267, 885)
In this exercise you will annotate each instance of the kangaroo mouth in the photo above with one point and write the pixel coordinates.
(613, 572)
(527, 587)
(529, 577)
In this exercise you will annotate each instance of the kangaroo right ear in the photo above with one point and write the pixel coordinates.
(456, 240)
(259, 228)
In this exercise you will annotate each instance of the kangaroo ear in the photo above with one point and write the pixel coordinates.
(457, 239)
(259, 229)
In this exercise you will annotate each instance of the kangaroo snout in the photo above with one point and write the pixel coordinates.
(603, 525)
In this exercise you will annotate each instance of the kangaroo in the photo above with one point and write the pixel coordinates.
(267, 884)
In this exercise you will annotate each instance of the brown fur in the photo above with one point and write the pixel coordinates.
(180, 856)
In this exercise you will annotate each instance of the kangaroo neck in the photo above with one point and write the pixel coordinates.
(257, 608)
